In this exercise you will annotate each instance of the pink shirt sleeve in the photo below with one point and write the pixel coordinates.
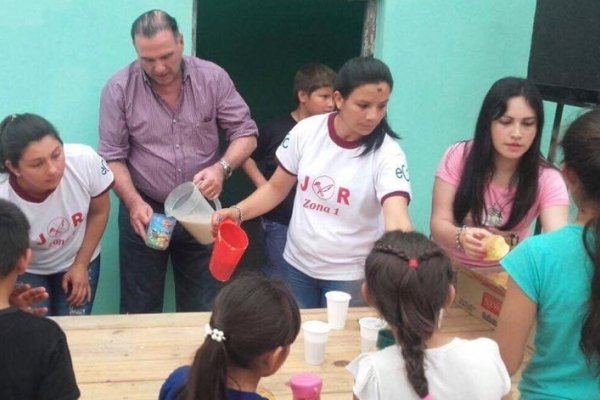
(451, 167)
(552, 189)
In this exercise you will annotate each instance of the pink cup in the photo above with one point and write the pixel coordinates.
(306, 386)
(230, 244)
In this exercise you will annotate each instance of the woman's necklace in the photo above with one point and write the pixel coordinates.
(495, 217)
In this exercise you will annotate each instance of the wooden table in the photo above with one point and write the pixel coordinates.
(129, 356)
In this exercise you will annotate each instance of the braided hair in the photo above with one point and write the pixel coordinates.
(408, 278)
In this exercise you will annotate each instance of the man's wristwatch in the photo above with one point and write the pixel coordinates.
(226, 168)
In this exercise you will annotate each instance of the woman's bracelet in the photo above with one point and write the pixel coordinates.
(239, 210)
(457, 239)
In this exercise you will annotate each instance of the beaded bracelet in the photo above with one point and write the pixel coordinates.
(457, 240)
(241, 216)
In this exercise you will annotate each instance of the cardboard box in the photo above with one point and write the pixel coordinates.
(482, 296)
(479, 295)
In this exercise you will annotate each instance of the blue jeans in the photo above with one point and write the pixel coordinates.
(275, 236)
(57, 299)
(143, 270)
(310, 292)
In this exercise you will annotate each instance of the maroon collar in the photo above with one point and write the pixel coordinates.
(22, 193)
(345, 144)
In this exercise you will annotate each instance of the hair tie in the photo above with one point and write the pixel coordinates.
(215, 334)
(413, 263)
(428, 397)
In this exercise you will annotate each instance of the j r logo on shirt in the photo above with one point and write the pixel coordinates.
(324, 187)
(57, 228)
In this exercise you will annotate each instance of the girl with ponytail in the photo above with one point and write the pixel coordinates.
(253, 324)
(408, 280)
(555, 281)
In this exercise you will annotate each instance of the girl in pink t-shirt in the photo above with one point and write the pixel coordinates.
(498, 182)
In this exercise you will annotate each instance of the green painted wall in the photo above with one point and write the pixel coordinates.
(55, 58)
(444, 57)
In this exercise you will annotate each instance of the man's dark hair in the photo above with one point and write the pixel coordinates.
(14, 236)
(151, 22)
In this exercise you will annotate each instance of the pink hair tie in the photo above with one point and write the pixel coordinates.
(428, 397)
(414, 264)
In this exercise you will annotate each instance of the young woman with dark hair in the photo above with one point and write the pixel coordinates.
(353, 184)
(409, 282)
(253, 323)
(499, 182)
(554, 280)
(63, 191)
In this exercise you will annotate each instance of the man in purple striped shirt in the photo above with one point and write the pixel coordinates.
(159, 123)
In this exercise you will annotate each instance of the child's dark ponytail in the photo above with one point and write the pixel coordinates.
(251, 316)
(408, 277)
(581, 149)
(210, 364)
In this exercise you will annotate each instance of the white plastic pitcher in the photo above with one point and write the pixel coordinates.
(192, 210)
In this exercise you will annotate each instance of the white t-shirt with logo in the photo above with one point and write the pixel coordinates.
(338, 205)
(58, 222)
(461, 369)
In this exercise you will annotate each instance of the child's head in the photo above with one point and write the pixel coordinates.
(14, 239)
(363, 86)
(313, 89)
(408, 279)
(259, 319)
(581, 150)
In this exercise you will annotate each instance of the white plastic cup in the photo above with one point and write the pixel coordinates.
(337, 308)
(315, 340)
(369, 328)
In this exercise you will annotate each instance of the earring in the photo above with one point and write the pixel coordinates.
(440, 318)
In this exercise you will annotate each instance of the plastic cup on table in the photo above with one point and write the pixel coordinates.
(306, 386)
(230, 244)
(315, 341)
(159, 231)
(337, 308)
(369, 329)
